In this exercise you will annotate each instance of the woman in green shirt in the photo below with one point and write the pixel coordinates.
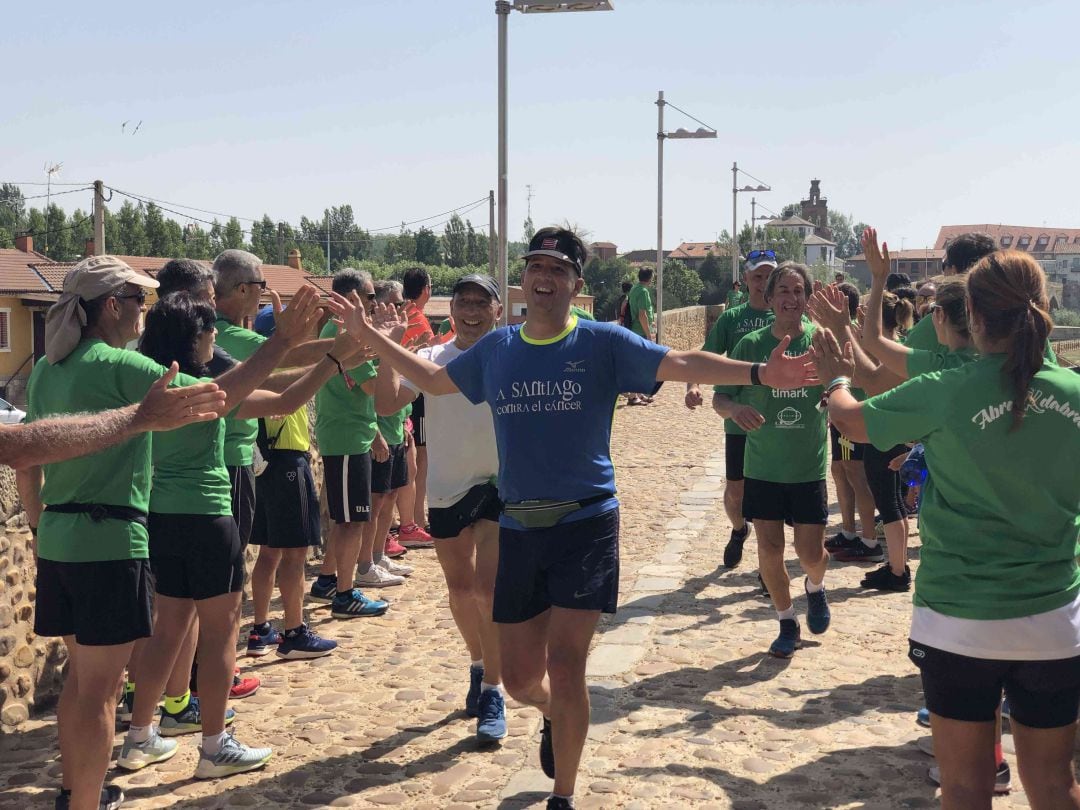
(997, 595)
(195, 549)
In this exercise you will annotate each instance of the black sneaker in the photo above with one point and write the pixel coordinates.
(840, 543)
(558, 803)
(547, 751)
(111, 798)
(859, 552)
(883, 579)
(734, 547)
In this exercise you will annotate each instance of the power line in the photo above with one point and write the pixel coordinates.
(16, 203)
(36, 183)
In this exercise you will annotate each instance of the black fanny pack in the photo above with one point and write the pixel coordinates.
(545, 514)
(99, 511)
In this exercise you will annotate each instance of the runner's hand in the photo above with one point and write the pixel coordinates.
(380, 450)
(829, 307)
(876, 259)
(830, 360)
(747, 417)
(693, 397)
(788, 372)
(297, 322)
(165, 408)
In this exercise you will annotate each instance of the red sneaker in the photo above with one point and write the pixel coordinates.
(394, 549)
(244, 686)
(412, 536)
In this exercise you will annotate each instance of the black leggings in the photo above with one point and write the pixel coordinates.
(884, 483)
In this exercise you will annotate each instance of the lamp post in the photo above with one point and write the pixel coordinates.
(754, 218)
(734, 221)
(704, 131)
(502, 11)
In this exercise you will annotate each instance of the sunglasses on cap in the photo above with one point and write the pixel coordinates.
(139, 296)
(754, 255)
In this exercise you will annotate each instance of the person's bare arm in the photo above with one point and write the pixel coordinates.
(704, 367)
(893, 355)
(643, 321)
(835, 363)
(745, 416)
(60, 438)
(307, 353)
(390, 395)
(28, 481)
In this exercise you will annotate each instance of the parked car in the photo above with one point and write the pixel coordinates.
(9, 414)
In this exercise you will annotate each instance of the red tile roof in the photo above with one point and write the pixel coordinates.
(698, 250)
(1000, 234)
(16, 275)
(905, 255)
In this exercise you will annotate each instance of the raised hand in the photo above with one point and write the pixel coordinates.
(829, 307)
(165, 408)
(788, 372)
(831, 362)
(877, 259)
(296, 323)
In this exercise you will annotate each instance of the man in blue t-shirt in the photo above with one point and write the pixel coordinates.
(551, 384)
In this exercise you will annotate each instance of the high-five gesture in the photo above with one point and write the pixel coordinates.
(165, 408)
(296, 323)
(829, 307)
(831, 361)
(788, 372)
(877, 259)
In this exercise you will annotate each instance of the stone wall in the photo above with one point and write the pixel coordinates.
(685, 328)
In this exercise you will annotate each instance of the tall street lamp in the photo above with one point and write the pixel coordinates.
(502, 11)
(704, 131)
(734, 221)
(754, 218)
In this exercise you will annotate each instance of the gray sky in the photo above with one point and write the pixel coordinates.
(913, 115)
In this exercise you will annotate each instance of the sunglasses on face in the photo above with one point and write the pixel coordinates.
(757, 254)
(260, 284)
(139, 296)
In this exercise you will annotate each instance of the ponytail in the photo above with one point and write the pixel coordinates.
(896, 312)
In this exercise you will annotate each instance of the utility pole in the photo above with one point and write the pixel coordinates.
(99, 218)
(281, 242)
(492, 238)
(528, 201)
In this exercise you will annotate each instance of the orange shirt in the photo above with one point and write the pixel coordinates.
(418, 323)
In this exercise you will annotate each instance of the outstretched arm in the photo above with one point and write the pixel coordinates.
(390, 395)
(893, 355)
(845, 412)
(703, 367)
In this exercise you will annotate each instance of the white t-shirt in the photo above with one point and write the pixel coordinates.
(1048, 636)
(460, 438)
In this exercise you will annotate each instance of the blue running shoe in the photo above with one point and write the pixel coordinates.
(322, 593)
(302, 643)
(472, 700)
(788, 641)
(923, 717)
(259, 644)
(492, 723)
(354, 605)
(817, 611)
(187, 721)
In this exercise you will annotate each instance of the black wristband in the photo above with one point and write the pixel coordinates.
(340, 368)
(755, 374)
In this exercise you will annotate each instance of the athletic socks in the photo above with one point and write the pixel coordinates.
(786, 614)
(568, 799)
(261, 629)
(211, 743)
(140, 734)
(326, 579)
(175, 705)
(869, 542)
(129, 686)
(478, 664)
(848, 535)
(485, 686)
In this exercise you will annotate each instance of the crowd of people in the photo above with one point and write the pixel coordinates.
(205, 423)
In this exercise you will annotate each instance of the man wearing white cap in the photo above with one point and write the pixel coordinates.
(93, 583)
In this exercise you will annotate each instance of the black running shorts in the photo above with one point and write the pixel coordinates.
(885, 483)
(570, 565)
(243, 500)
(479, 503)
(195, 556)
(1042, 694)
(734, 453)
(794, 503)
(100, 603)
(347, 480)
(287, 505)
(386, 476)
(419, 432)
(843, 448)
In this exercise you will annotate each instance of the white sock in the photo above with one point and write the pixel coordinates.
(569, 799)
(814, 588)
(485, 686)
(140, 734)
(211, 743)
(848, 535)
(786, 614)
(869, 542)
(477, 664)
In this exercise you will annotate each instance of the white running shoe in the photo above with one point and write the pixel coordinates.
(136, 756)
(394, 567)
(378, 577)
(234, 757)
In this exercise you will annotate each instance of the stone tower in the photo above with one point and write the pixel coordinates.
(816, 210)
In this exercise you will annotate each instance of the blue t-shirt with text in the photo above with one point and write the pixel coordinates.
(552, 403)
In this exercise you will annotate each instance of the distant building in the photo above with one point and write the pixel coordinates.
(815, 209)
(1056, 249)
(603, 250)
(820, 251)
(804, 226)
(918, 264)
(641, 258)
(693, 254)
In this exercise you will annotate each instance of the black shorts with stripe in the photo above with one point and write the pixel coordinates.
(286, 506)
(348, 487)
(243, 500)
(419, 432)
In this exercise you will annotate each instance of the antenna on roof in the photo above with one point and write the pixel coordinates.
(49, 172)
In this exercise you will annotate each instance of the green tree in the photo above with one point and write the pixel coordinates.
(529, 229)
(400, 248)
(427, 247)
(58, 235)
(128, 233)
(602, 282)
(682, 286)
(476, 245)
(844, 234)
(455, 243)
(264, 239)
(196, 243)
(82, 230)
(12, 208)
(163, 235)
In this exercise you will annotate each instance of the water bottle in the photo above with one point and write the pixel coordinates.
(913, 471)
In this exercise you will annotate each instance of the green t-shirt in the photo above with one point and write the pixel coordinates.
(735, 298)
(581, 313)
(189, 471)
(345, 420)
(95, 377)
(392, 427)
(640, 300)
(240, 434)
(922, 361)
(1000, 512)
(923, 336)
(728, 330)
(791, 447)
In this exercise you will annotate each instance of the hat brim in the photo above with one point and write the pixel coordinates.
(762, 263)
(555, 254)
(144, 281)
(461, 285)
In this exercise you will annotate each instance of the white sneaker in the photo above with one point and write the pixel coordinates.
(394, 567)
(378, 577)
(136, 756)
